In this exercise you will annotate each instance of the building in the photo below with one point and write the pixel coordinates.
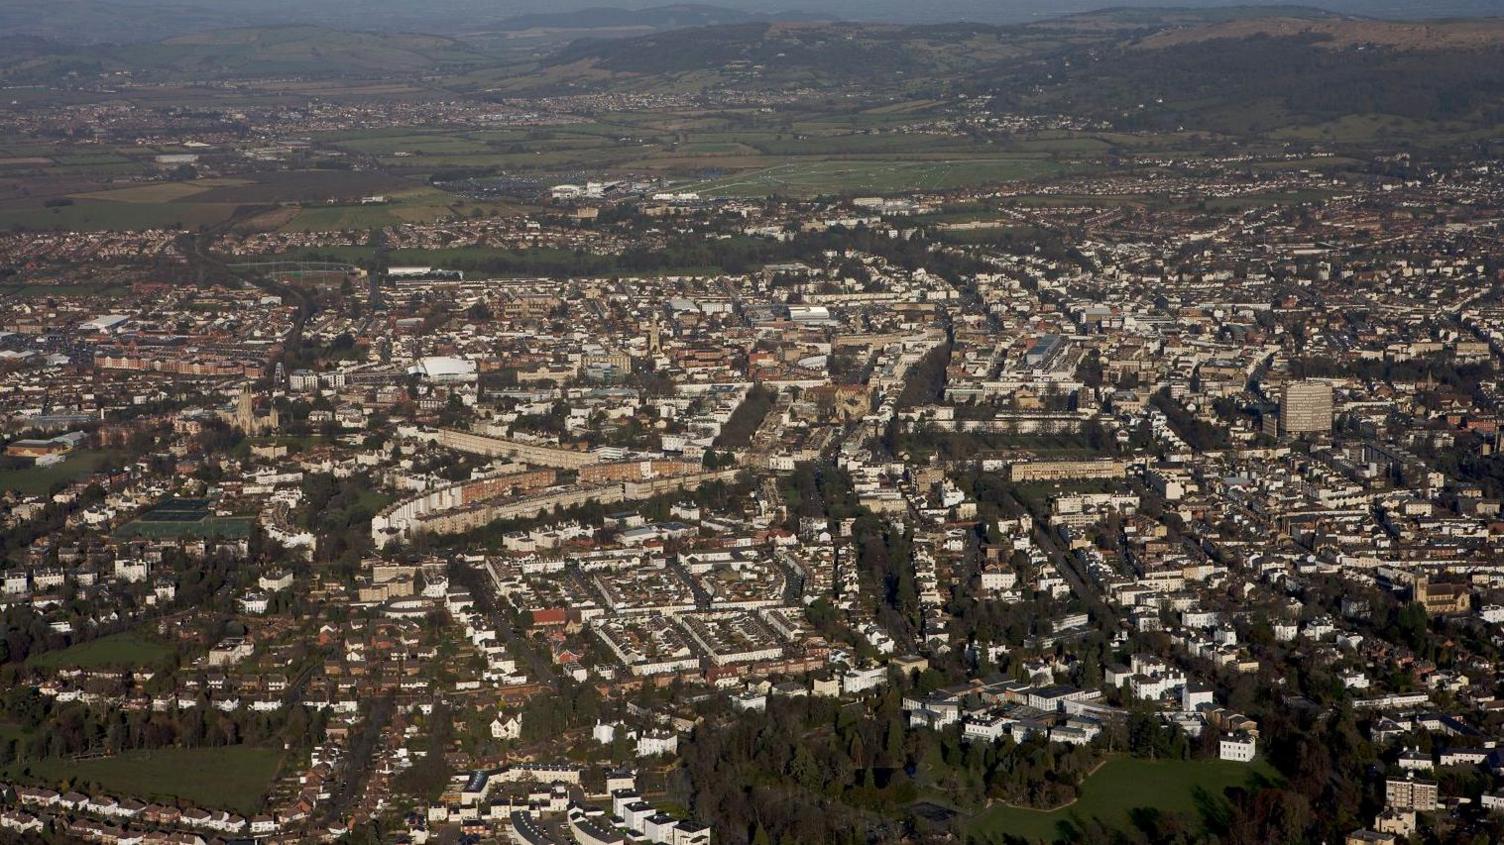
(245, 418)
(1306, 408)
(1407, 793)
(1443, 599)
(1239, 749)
(1026, 471)
(506, 727)
(229, 651)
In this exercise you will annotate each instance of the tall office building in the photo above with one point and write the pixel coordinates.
(1306, 408)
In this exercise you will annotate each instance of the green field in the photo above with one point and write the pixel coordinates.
(1125, 784)
(855, 177)
(234, 778)
(39, 481)
(115, 651)
(89, 215)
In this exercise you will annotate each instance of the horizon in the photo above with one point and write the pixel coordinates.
(150, 20)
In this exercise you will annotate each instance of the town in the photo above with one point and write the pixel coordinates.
(1144, 502)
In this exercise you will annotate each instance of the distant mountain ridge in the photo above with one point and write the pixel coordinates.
(658, 17)
(1231, 69)
(128, 21)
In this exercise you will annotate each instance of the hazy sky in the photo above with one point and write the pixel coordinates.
(930, 10)
(84, 21)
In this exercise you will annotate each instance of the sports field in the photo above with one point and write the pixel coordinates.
(234, 778)
(1125, 784)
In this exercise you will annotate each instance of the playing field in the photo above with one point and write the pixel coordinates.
(234, 778)
(38, 481)
(117, 651)
(1125, 784)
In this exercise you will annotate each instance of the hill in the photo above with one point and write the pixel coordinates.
(245, 52)
(1229, 70)
(677, 16)
(1341, 33)
(1232, 70)
(773, 55)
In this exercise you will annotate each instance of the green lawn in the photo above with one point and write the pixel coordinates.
(235, 778)
(38, 481)
(115, 651)
(1124, 784)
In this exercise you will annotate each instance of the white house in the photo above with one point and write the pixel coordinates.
(506, 726)
(1239, 748)
(653, 743)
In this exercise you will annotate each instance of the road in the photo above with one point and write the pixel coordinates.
(479, 584)
(1069, 569)
(358, 763)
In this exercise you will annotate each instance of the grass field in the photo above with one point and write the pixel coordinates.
(411, 206)
(115, 651)
(91, 215)
(234, 778)
(1123, 785)
(39, 481)
(833, 177)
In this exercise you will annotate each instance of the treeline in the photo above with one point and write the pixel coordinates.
(201, 583)
(884, 548)
(927, 440)
(924, 384)
(572, 707)
(1198, 434)
(814, 770)
(746, 418)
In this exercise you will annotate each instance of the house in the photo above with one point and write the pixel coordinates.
(1239, 748)
(653, 743)
(1413, 760)
(506, 726)
(19, 822)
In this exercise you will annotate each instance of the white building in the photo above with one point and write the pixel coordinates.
(507, 726)
(1239, 749)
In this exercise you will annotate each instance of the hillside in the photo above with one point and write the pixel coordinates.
(678, 16)
(300, 50)
(1341, 34)
(770, 55)
(1260, 74)
(246, 52)
(1232, 71)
